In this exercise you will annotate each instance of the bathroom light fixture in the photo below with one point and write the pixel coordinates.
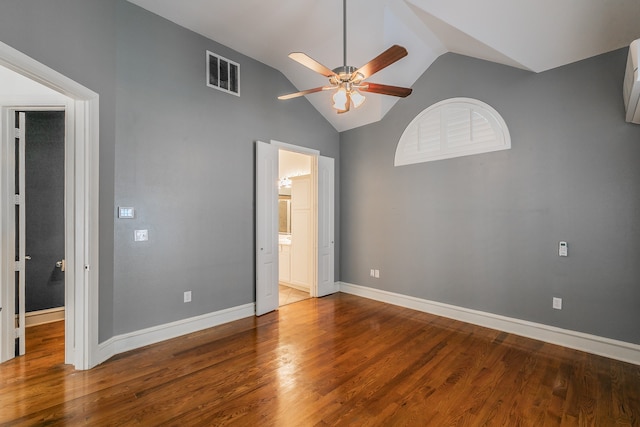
(284, 182)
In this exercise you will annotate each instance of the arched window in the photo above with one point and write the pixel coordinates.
(452, 128)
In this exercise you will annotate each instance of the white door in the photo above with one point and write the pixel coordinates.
(266, 228)
(13, 292)
(20, 236)
(326, 239)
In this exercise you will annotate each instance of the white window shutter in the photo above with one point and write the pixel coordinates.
(452, 128)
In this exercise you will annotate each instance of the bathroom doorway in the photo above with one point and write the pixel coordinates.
(319, 214)
(296, 212)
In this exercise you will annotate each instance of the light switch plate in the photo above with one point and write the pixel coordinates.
(126, 212)
(563, 249)
(141, 235)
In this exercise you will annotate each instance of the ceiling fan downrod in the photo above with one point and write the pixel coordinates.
(344, 73)
(344, 33)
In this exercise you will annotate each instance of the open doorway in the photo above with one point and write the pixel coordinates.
(44, 232)
(22, 84)
(296, 239)
(321, 216)
(34, 224)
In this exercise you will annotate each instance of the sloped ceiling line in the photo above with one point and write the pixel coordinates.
(534, 35)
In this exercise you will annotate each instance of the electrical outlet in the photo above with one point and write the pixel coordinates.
(187, 296)
(141, 235)
(557, 303)
(376, 274)
(372, 273)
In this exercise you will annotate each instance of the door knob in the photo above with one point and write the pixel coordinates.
(27, 257)
(60, 264)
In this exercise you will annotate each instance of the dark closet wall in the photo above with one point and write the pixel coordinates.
(44, 201)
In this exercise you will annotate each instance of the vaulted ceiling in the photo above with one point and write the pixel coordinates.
(534, 35)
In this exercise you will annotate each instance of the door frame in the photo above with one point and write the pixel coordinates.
(81, 210)
(262, 239)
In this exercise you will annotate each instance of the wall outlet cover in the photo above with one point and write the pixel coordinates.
(141, 235)
(563, 249)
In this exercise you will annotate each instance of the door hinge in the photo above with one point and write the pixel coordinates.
(17, 333)
(17, 133)
(18, 199)
(19, 265)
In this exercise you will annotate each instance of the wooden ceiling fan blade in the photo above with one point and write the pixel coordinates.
(386, 58)
(386, 89)
(304, 92)
(311, 63)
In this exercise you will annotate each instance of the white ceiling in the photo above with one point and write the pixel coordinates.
(534, 35)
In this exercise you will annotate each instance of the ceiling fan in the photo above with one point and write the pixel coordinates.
(348, 81)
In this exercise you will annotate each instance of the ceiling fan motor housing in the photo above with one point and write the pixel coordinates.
(345, 74)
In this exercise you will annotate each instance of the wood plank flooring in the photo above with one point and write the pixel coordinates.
(338, 360)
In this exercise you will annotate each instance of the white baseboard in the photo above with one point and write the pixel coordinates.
(141, 338)
(619, 350)
(40, 317)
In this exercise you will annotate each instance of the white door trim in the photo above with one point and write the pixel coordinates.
(295, 148)
(82, 193)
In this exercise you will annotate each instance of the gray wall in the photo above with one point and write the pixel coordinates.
(185, 161)
(77, 39)
(182, 154)
(482, 231)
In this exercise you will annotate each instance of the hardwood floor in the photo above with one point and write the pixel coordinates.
(338, 360)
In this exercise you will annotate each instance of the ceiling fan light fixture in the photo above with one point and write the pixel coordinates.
(357, 98)
(341, 99)
(345, 96)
